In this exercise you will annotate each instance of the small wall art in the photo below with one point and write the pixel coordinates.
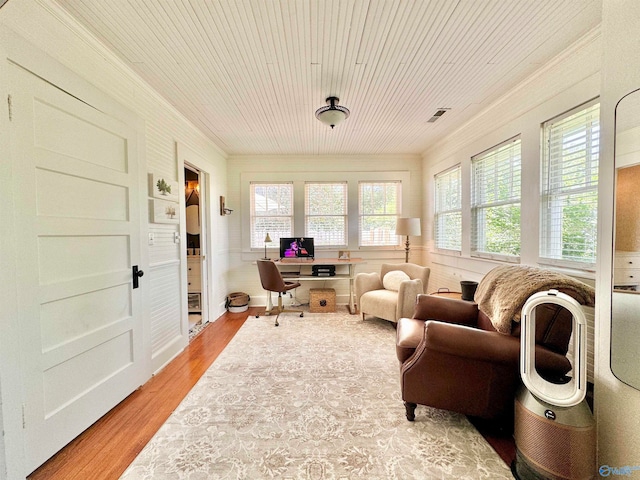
(165, 211)
(163, 188)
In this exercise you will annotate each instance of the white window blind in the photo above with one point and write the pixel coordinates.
(495, 202)
(271, 212)
(326, 213)
(448, 209)
(569, 209)
(379, 208)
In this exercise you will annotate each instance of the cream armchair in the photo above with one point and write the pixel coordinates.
(391, 294)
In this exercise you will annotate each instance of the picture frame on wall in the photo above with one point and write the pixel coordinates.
(164, 211)
(163, 188)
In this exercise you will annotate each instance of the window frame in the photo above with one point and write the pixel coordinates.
(344, 215)
(274, 235)
(478, 207)
(550, 234)
(299, 178)
(444, 213)
(385, 214)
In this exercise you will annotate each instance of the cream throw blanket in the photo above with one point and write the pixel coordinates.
(504, 290)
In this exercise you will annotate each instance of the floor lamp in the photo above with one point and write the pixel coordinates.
(408, 227)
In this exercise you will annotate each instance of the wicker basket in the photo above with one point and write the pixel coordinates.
(237, 302)
(322, 300)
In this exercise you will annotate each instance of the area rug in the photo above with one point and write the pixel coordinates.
(315, 398)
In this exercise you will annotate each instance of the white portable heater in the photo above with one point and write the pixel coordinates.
(554, 428)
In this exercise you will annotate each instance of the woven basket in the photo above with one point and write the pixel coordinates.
(238, 302)
(322, 300)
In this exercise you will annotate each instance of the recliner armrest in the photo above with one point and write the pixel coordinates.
(463, 341)
(481, 345)
(450, 310)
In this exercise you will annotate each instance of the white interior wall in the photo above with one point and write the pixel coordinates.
(243, 273)
(9, 377)
(55, 33)
(52, 32)
(571, 79)
(617, 405)
(565, 83)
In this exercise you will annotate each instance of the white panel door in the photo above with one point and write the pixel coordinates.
(77, 226)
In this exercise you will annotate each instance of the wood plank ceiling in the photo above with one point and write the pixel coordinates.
(251, 73)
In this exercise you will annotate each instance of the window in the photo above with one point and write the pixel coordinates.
(448, 210)
(379, 208)
(326, 213)
(495, 202)
(569, 183)
(271, 212)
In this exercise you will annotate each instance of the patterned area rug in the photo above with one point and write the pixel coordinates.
(315, 398)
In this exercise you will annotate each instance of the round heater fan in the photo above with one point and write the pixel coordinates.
(554, 428)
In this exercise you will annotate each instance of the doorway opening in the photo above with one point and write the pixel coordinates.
(196, 295)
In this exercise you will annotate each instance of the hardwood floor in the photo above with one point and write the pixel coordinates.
(105, 450)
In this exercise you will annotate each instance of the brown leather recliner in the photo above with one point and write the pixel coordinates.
(452, 358)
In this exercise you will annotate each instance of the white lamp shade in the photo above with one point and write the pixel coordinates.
(408, 226)
(333, 113)
(331, 117)
(193, 220)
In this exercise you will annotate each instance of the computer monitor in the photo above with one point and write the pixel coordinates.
(296, 247)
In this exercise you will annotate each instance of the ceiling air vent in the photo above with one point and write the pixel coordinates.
(438, 114)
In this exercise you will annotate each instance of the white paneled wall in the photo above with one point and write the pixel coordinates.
(572, 79)
(51, 30)
(165, 301)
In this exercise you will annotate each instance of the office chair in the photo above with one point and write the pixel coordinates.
(272, 281)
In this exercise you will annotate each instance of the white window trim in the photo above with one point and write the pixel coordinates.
(491, 255)
(398, 213)
(251, 217)
(299, 179)
(446, 251)
(544, 228)
(344, 215)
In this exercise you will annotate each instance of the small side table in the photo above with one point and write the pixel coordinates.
(445, 292)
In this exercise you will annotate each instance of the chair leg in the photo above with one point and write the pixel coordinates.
(280, 308)
(411, 410)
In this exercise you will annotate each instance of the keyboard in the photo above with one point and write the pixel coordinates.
(296, 260)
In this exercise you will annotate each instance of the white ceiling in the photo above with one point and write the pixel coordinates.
(251, 73)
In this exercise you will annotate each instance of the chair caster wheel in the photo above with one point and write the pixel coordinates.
(301, 315)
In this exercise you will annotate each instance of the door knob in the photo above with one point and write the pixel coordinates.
(136, 275)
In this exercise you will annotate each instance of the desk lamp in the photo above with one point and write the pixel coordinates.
(408, 227)
(267, 239)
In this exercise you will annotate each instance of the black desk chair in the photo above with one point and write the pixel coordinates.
(272, 281)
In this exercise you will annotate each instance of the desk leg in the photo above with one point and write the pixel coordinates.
(352, 304)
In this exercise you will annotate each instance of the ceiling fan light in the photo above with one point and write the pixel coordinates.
(332, 114)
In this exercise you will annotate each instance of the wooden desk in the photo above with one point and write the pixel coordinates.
(301, 270)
